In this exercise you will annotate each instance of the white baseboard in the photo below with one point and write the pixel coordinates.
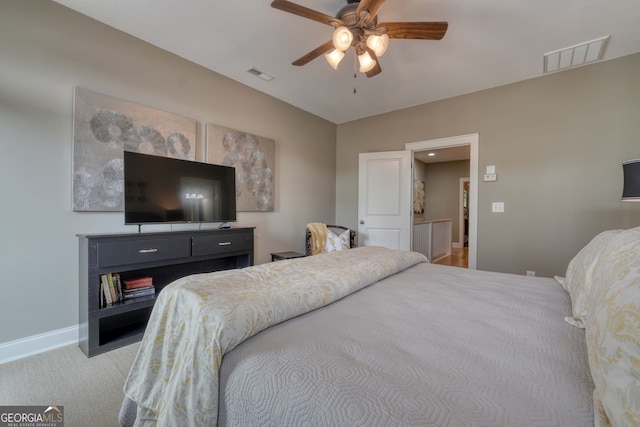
(456, 245)
(14, 350)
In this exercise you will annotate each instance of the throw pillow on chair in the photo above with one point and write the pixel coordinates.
(337, 242)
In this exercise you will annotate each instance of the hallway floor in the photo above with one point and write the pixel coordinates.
(459, 258)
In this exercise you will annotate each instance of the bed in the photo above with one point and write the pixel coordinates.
(376, 337)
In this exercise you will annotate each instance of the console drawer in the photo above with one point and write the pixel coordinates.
(140, 251)
(225, 242)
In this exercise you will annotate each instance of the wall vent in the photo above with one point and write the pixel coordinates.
(261, 74)
(575, 56)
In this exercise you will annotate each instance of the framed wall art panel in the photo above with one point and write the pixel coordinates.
(254, 159)
(103, 127)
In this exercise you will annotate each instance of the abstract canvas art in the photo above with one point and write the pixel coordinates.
(418, 196)
(254, 160)
(103, 127)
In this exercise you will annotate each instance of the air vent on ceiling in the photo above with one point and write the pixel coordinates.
(575, 56)
(261, 74)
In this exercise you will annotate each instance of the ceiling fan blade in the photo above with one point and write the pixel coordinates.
(373, 6)
(376, 69)
(415, 30)
(305, 12)
(314, 54)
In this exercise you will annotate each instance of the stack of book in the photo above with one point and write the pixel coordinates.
(113, 289)
(138, 287)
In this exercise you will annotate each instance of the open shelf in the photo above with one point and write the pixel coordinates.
(164, 257)
(123, 326)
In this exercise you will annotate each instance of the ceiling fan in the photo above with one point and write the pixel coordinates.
(356, 25)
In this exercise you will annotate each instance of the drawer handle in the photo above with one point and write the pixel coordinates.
(148, 251)
(224, 243)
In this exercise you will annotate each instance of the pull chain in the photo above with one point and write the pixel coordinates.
(355, 72)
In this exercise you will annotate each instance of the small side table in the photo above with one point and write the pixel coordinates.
(286, 255)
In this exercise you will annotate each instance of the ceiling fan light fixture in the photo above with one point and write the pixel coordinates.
(366, 62)
(342, 38)
(355, 25)
(378, 44)
(334, 57)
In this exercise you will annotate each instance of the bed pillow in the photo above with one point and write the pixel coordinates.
(579, 276)
(337, 242)
(613, 330)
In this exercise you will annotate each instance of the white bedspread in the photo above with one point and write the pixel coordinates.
(197, 319)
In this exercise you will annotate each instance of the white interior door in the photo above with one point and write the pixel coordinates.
(384, 199)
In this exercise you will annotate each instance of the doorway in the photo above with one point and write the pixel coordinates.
(472, 141)
(463, 235)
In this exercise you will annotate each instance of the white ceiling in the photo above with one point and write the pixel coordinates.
(440, 155)
(489, 43)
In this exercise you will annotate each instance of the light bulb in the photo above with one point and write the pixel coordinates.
(378, 44)
(342, 38)
(366, 62)
(334, 57)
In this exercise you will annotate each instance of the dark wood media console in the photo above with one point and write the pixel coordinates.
(164, 257)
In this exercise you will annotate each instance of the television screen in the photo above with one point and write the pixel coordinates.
(161, 189)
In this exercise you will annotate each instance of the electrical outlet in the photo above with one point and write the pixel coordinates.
(497, 207)
(531, 273)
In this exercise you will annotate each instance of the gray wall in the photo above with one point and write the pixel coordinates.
(46, 50)
(557, 143)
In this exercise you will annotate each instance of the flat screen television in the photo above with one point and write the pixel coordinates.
(166, 190)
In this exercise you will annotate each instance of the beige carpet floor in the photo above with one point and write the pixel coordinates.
(89, 389)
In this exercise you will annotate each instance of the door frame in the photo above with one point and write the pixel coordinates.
(473, 141)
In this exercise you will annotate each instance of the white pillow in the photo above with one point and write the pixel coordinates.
(613, 330)
(579, 276)
(337, 242)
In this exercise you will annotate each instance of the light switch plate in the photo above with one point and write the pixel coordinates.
(497, 207)
(491, 169)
